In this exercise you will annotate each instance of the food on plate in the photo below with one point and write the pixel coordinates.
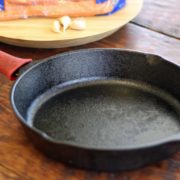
(78, 24)
(56, 26)
(65, 21)
(32, 2)
(17, 9)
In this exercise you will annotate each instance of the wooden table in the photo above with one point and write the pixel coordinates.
(155, 30)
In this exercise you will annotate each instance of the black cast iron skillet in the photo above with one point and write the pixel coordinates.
(100, 109)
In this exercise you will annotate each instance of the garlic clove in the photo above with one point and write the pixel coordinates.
(65, 21)
(78, 24)
(56, 26)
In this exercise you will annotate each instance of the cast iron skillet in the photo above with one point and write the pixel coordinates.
(99, 109)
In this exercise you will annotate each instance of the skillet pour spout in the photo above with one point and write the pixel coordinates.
(101, 109)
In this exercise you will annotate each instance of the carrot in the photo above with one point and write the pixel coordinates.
(72, 8)
(32, 2)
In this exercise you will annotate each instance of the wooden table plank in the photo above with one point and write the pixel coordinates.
(162, 16)
(17, 154)
(8, 174)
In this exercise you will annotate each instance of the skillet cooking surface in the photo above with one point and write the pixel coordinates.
(106, 113)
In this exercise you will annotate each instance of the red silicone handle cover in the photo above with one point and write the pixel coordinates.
(10, 64)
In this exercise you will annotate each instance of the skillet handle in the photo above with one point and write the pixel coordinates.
(9, 64)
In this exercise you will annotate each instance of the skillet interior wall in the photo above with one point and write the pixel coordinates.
(90, 63)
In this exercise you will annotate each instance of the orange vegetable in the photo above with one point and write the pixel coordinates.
(16, 9)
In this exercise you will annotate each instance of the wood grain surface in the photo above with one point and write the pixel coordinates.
(37, 32)
(18, 157)
(161, 16)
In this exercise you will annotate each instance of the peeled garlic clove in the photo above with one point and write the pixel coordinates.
(78, 24)
(65, 21)
(56, 26)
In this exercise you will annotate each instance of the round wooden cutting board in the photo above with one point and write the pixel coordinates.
(37, 33)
